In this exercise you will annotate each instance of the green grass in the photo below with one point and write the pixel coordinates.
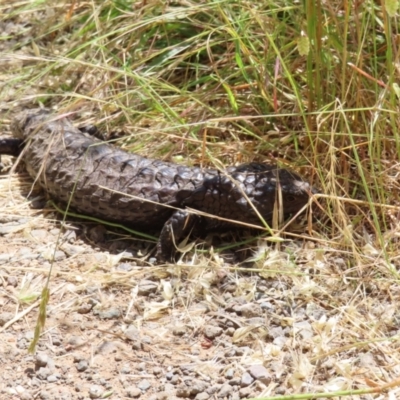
(310, 85)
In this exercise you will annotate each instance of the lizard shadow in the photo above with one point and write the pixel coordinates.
(234, 247)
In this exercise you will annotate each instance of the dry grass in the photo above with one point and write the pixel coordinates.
(221, 82)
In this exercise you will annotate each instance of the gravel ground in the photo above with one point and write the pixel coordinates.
(111, 325)
(299, 318)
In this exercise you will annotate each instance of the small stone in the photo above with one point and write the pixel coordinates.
(133, 392)
(132, 333)
(136, 346)
(315, 311)
(141, 366)
(175, 379)
(198, 386)
(12, 281)
(280, 341)
(186, 369)
(230, 352)
(19, 389)
(260, 373)
(230, 331)
(78, 357)
(72, 250)
(240, 351)
(249, 310)
(229, 373)
(36, 383)
(247, 380)
(48, 254)
(304, 328)
(126, 369)
(235, 396)
(40, 235)
(202, 396)
(26, 253)
(85, 308)
(276, 331)
(124, 267)
(183, 391)
(213, 389)
(82, 366)
(79, 387)
(169, 388)
(144, 385)
(111, 313)
(52, 378)
(146, 339)
(70, 235)
(95, 391)
(45, 395)
(191, 388)
(245, 392)
(235, 381)
(56, 341)
(76, 341)
(235, 304)
(43, 373)
(225, 390)
(25, 396)
(179, 330)
(266, 305)
(41, 360)
(146, 287)
(211, 331)
(107, 347)
(104, 382)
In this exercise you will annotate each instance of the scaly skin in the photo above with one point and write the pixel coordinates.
(102, 181)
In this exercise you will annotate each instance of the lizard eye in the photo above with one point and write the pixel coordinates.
(291, 198)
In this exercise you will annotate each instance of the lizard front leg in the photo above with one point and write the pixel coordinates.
(179, 225)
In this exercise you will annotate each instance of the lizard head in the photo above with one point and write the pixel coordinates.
(295, 192)
(267, 186)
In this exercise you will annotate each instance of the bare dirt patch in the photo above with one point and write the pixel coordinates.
(307, 315)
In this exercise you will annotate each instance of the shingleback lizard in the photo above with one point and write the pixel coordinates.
(103, 181)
